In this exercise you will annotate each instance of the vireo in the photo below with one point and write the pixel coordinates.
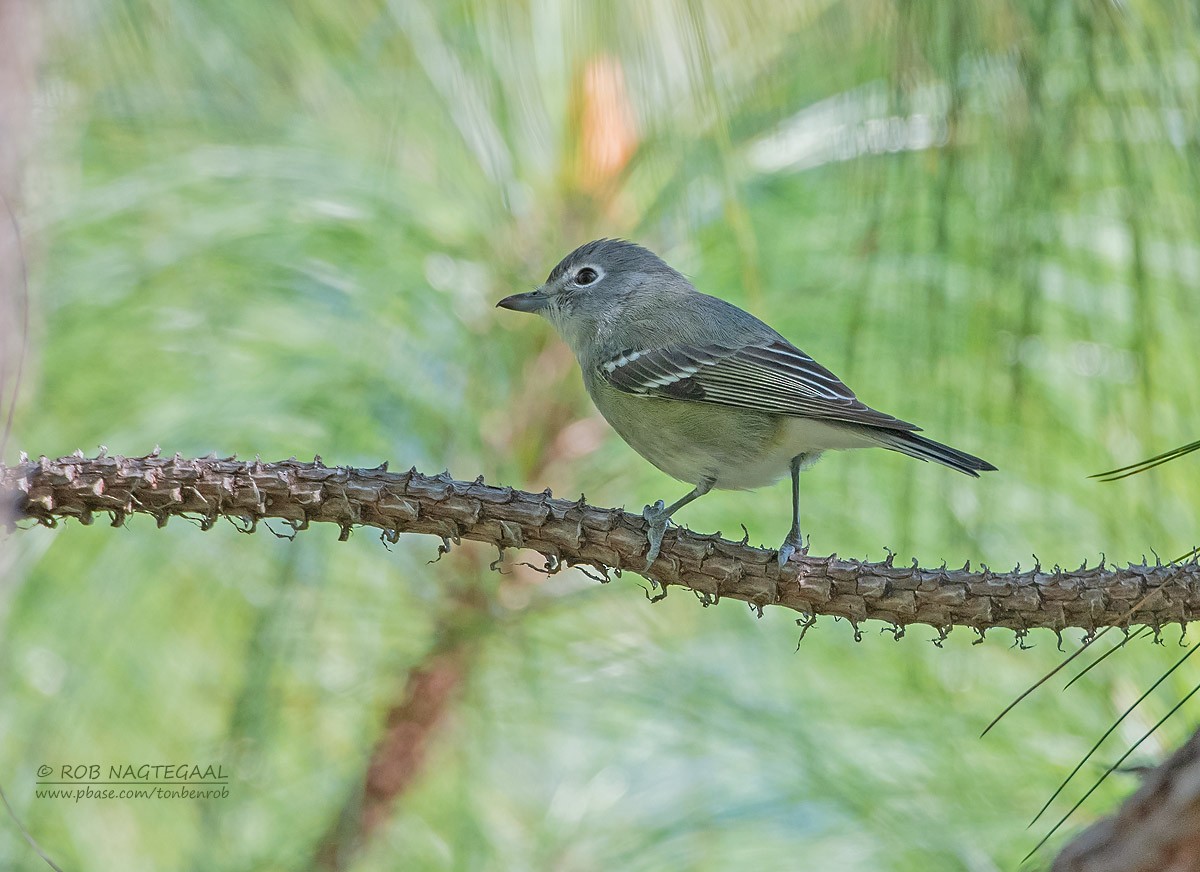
(708, 393)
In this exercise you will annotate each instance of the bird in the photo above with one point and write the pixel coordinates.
(705, 391)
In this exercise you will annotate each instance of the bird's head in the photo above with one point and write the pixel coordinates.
(594, 284)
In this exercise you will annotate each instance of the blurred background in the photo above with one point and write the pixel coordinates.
(280, 229)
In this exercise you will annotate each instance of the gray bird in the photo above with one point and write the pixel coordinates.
(708, 393)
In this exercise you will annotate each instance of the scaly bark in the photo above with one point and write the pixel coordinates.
(573, 533)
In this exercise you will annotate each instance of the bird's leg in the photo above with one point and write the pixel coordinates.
(658, 516)
(794, 541)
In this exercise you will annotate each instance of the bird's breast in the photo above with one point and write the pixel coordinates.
(738, 449)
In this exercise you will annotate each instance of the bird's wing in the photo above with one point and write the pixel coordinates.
(769, 376)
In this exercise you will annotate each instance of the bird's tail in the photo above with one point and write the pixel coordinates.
(926, 449)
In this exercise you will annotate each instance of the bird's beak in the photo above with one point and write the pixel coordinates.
(534, 301)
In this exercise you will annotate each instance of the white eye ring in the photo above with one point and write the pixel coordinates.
(587, 275)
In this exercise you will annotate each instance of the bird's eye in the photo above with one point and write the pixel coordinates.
(586, 276)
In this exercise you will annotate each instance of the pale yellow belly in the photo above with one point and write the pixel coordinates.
(738, 449)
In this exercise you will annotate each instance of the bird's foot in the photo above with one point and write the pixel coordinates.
(793, 544)
(657, 517)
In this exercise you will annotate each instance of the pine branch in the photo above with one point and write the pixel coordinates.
(1158, 828)
(573, 533)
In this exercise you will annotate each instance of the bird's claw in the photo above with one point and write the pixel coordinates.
(793, 544)
(654, 513)
(654, 516)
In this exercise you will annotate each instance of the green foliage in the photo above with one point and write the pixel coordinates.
(279, 229)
